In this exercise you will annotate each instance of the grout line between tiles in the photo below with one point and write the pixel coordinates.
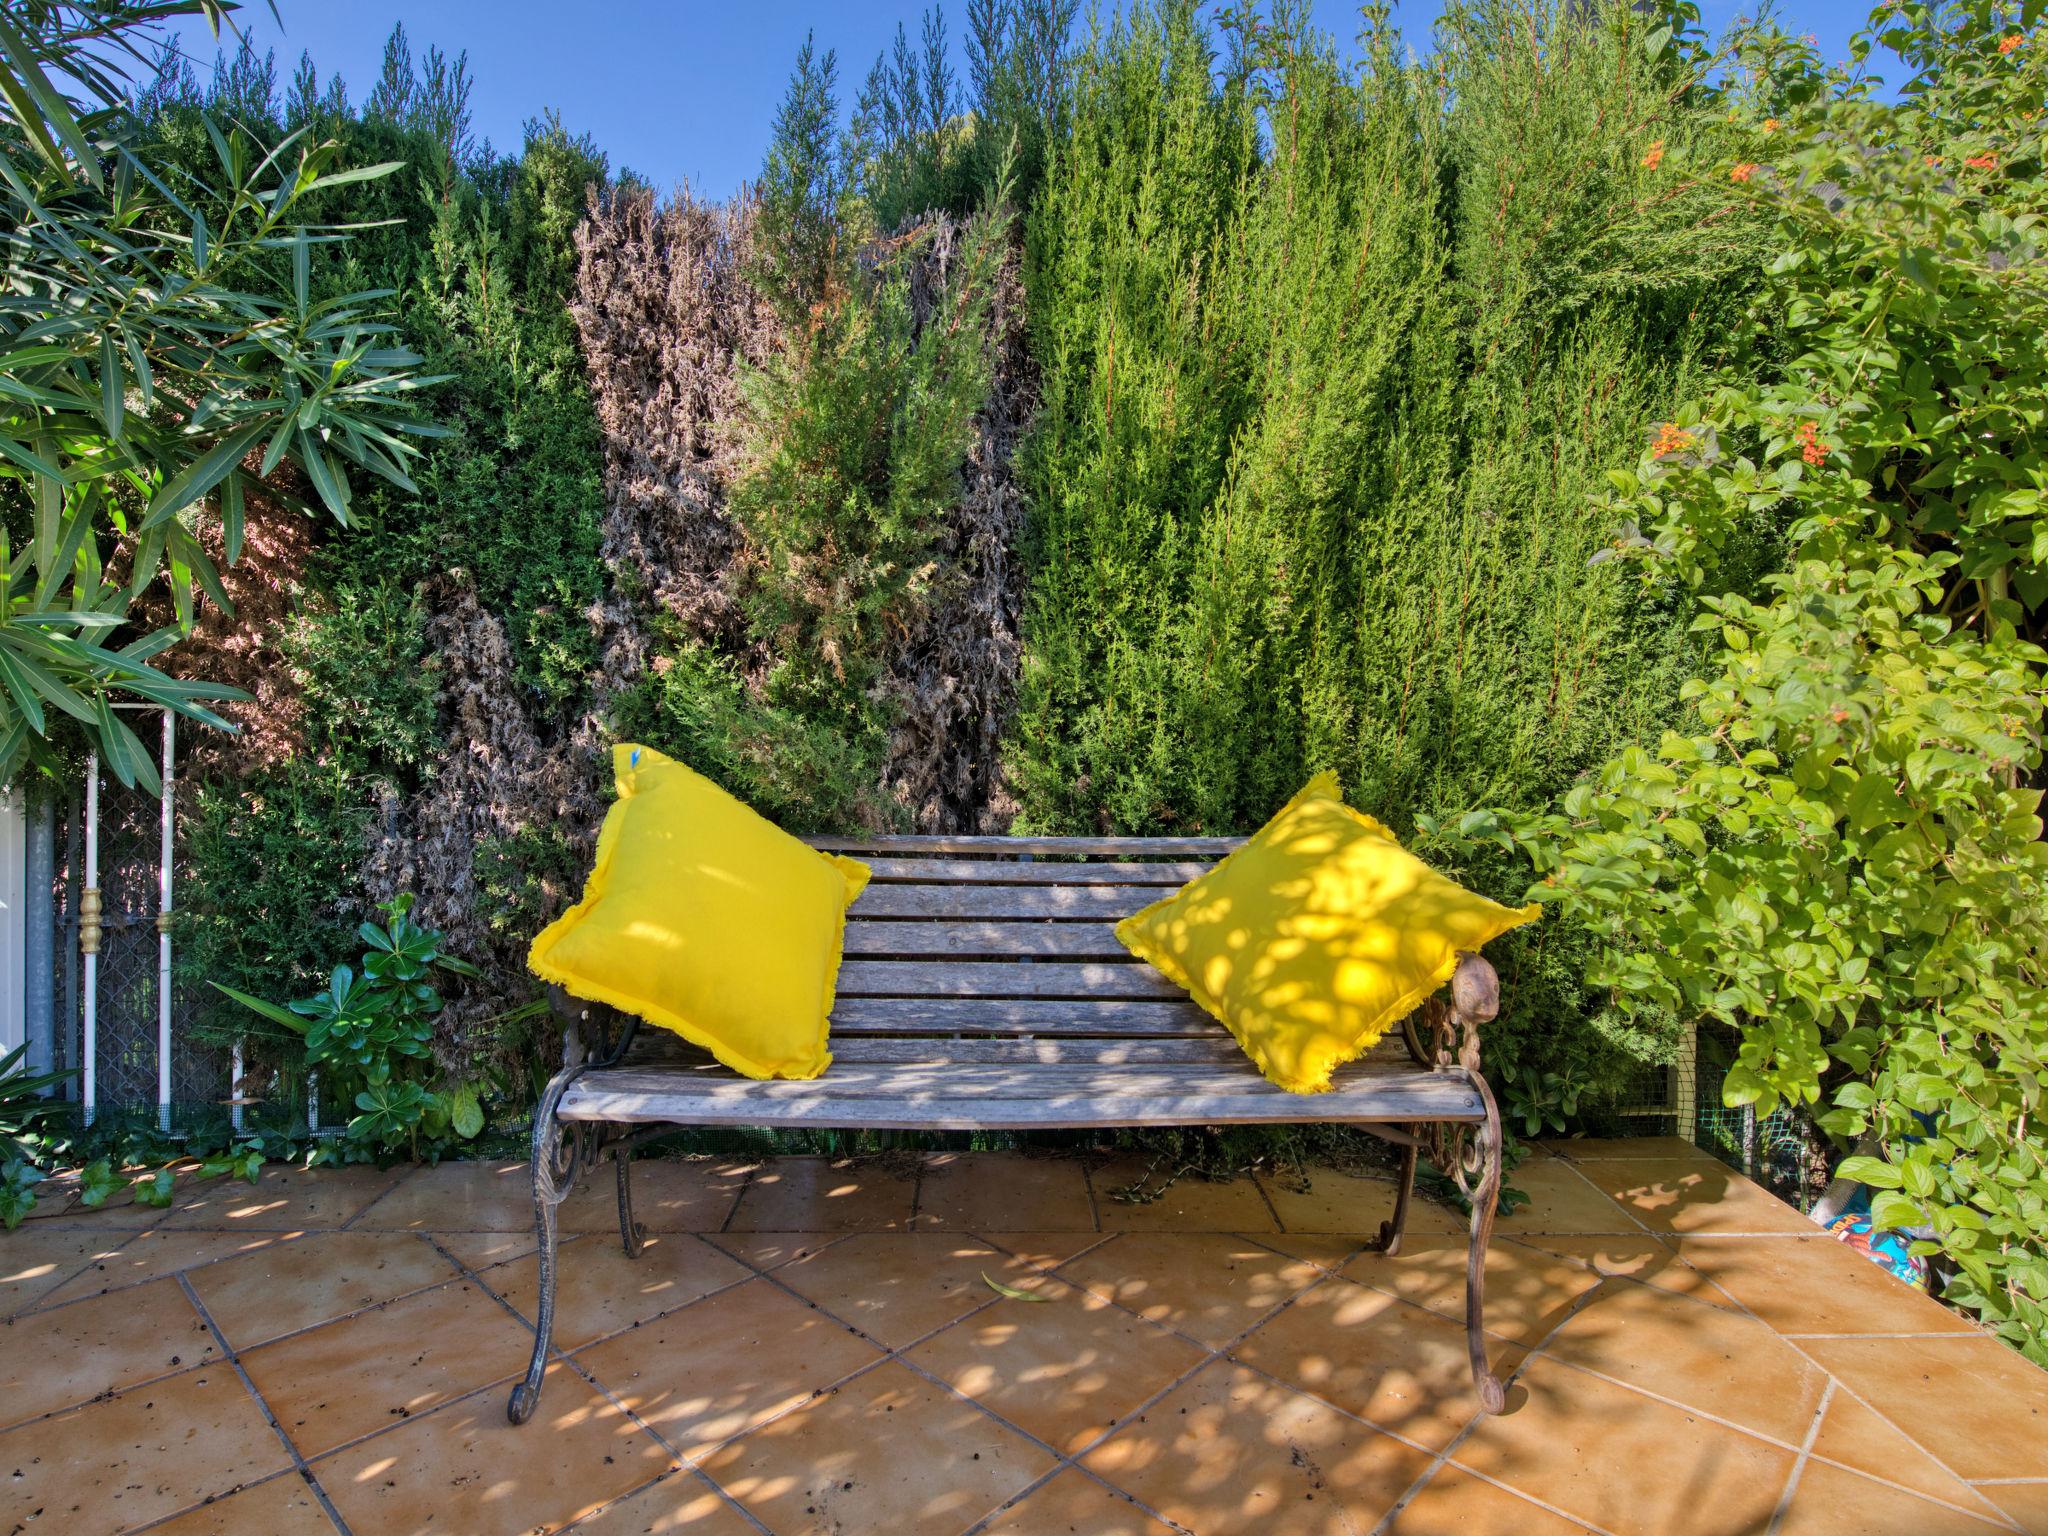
(1578, 1304)
(1794, 1345)
(683, 1473)
(404, 1179)
(1266, 1198)
(263, 1406)
(1784, 1505)
(42, 1296)
(160, 1521)
(739, 1199)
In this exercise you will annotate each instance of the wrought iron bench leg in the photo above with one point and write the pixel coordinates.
(1492, 1396)
(557, 1159)
(629, 1230)
(1389, 1242)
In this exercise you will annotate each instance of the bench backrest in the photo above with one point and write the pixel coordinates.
(1009, 937)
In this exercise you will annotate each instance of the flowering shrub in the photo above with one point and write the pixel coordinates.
(1841, 854)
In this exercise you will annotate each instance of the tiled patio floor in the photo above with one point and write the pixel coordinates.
(810, 1347)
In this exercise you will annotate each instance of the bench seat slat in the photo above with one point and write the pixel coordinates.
(1004, 901)
(998, 1016)
(954, 1095)
(998, 978)
(1078, 847)
(1169, 873)
(1073, 941)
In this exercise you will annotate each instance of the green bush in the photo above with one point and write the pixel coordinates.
(1838, 851)
(1331, 361)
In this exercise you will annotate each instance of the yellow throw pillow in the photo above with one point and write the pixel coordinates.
(706, 918)
(1315, 937)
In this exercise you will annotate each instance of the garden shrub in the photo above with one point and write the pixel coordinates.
(1837, 850)
(1331, 359)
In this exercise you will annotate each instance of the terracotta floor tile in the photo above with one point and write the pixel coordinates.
(34, 1261)
(1622, 1149)
(53, 1359)
(1392, 1364)
(161, 1252)
(285, 1199)
(1064, 1369)
(1025, 1194)
(137, 1456)
(1231, 1451)
(314, 1279)
(816, 1194)
(771, 1250)
(1560, 1200)
(681, 1504)
(2026, 1504)
(1327, 1201)
(283, 1506)
(1209, 1286)
(1831, 1502)
(1694, 1195)
(1977, 1405)
(1863, 1440)
(886, 1452)
(1189, 1204)
(1625, 1462)
(380, 1367)
(480, 1250)
(1044, 1250)
(1074, 1504)
(598, 1290)
(122, 1213)
(1717, 1361)
(716, 1369)
(1325, 1250)
(694, 1194)
(468, 1469)
(1528, 1292)
(1455, 1503)
(897, 1287)
(1651, 1260)
(1816, 1284)
(494, 1196)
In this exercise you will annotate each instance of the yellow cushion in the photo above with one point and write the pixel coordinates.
(706, 918)
(1315, 937)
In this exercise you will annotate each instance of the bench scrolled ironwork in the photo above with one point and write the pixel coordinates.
(983, 988)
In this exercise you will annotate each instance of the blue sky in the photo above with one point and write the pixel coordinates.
(682, 89)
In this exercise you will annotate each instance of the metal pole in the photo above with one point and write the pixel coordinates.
(89, 934)
(40, 963)
(163, 944)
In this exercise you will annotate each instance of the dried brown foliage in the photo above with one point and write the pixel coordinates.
(954, 677)
(500, 781)
(246, 649)
(667, 319)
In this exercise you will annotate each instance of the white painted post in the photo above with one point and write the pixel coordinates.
(13, 921)
(163, 943)
(89, 935)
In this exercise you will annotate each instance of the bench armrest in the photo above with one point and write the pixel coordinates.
(593, 1034)
(1444, 1032)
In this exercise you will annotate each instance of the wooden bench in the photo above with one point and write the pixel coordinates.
(984, 989)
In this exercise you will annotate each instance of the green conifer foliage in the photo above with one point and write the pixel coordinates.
(1332, 361)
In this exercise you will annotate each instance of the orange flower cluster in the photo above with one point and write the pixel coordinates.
(1811, 448)
(1655, 157)
(1743, 171)
(1983, 162)
(1771, 125)
(1672, 438)
(2011, 41)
